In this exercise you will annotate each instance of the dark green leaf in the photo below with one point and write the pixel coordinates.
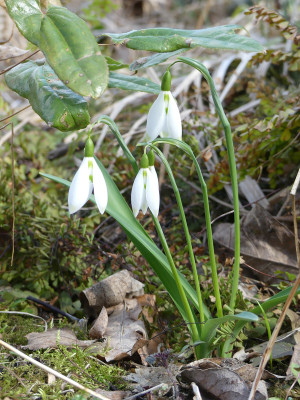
(154, 59)
(72, 51)
(48, 96)
(129, 82)
(27, 16)
(165, 39)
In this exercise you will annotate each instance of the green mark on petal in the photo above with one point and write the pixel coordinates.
(166, 99)
(90, 164)
(91, 178)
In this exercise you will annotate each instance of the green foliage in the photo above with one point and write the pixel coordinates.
(67, 43)
(163, 40)
(128, 82)
(49, 97)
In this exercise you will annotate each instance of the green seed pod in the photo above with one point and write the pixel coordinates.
(166, 81)
(89, 148)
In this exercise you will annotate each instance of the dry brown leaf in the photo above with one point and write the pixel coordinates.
(98, 329)
(122, 333)
(222, 383)
(266, 245)
(53, 338)
(109, 292)
(138, 345)
(295, 321)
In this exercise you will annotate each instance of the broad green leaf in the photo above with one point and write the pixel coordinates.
(27, 16)
(49, 97)
(73, 53)
(114, 65)
(154, 59)
(120, 211)
(128, 82)
(165, 39)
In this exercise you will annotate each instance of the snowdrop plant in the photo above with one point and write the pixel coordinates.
(164, 117)
(145, 189)
(87, 178)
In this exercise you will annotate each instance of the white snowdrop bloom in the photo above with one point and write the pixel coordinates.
(164, 117)
(87, 178)
(145, 190)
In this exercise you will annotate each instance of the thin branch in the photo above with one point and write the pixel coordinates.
(15, 113)
(23, 59)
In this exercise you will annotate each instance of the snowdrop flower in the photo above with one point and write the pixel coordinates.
(164, 117)
(87, 178)
(145, 189)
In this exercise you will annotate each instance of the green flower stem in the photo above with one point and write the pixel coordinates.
(191, 319)
(214, 271)
(232, 166)
(187, 149)
(186, 231)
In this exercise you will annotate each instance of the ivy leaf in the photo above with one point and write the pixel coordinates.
(164, 40)
(72, 51)
(27, 16)
(49, 97)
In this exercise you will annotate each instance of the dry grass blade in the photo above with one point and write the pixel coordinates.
(51, 371)
(268, 350)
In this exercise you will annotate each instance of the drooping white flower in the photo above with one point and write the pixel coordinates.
(145, 190)
(87, 178)
(164, 117)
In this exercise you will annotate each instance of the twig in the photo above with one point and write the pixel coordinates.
(27, 314)
(15, 113)
(268, 350)
(53, 308)
(145, 392)
(196, 391)
(51, 371)
(23, 59)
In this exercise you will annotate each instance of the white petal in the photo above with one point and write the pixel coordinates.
(79, 191)
(172, 126)
(137, 193)
(100, 188)
(156, 117)
(152, 191)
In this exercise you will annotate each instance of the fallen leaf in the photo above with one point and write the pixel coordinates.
(98, 329)
(221, 383)
(109, 292)
(122, 333)
(294, 360)
(53, 338)
(266, 245)
(152, 376)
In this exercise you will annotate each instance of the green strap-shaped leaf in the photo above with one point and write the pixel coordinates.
(165, 39)
(72, 51)
(27, 16)
(128, 82)
(49, 97)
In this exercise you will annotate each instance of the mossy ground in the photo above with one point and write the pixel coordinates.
(19, 379)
